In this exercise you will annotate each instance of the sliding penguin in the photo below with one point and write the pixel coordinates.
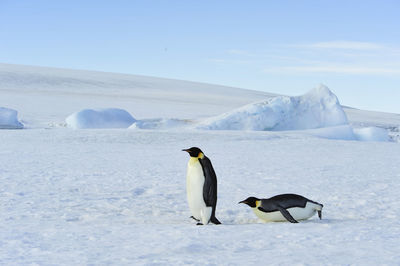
(201, 186)
(290, 207)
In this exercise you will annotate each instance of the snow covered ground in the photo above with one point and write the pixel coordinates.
(117, 196)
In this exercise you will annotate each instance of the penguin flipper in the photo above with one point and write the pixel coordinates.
(210, 187)
(210, 183)
(286, 214)
(320, 214)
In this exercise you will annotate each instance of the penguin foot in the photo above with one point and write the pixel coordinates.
(214, 220)
(194, 218)
(199, 224)
(320, 214)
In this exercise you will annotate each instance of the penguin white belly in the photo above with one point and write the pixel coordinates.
(194, 187)
(296, 212)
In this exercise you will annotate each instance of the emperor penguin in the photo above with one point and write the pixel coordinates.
(285, 207)
(201, 187)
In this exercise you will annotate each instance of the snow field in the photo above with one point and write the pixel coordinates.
(118, 197)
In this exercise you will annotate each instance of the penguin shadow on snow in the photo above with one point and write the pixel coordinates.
(245, 220)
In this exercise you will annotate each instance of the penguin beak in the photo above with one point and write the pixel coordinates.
(186, 150)
(243, 201)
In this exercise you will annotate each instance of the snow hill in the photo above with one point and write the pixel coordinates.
(116, 196)
(9, 119)
(318, 108)
(179, 103)
(100, 118)
(49, 95)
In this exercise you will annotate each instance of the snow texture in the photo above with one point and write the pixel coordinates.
(344, 132)
(9, 119)
(100, 118)
(371, 134)
(161, 123)
(117, 196)
(316, 109)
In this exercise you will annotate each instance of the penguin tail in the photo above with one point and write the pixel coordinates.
(318, 207)
(214, 220)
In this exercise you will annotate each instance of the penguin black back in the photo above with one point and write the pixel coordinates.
(210, 187)
(290, 200)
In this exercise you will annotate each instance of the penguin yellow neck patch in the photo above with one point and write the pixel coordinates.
(258, 203)
(193, 160)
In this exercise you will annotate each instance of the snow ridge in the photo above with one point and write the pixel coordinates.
(316, 109)
(100, 118)
(9, 119)
(317, 113)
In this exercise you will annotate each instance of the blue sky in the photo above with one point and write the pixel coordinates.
(286, 47)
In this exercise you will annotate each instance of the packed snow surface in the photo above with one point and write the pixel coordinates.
(117, 196)
(100, 118)
(161, 123)
(316, 109)
(371, 134)
(9, 119)
(347, 132)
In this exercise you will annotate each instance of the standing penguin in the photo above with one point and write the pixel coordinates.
(201, 187)
(285, 207)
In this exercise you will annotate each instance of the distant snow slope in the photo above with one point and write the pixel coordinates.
(36, 91)
(46, 96)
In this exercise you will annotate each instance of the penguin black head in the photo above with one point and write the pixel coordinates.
(193, 151)
(251, 201)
